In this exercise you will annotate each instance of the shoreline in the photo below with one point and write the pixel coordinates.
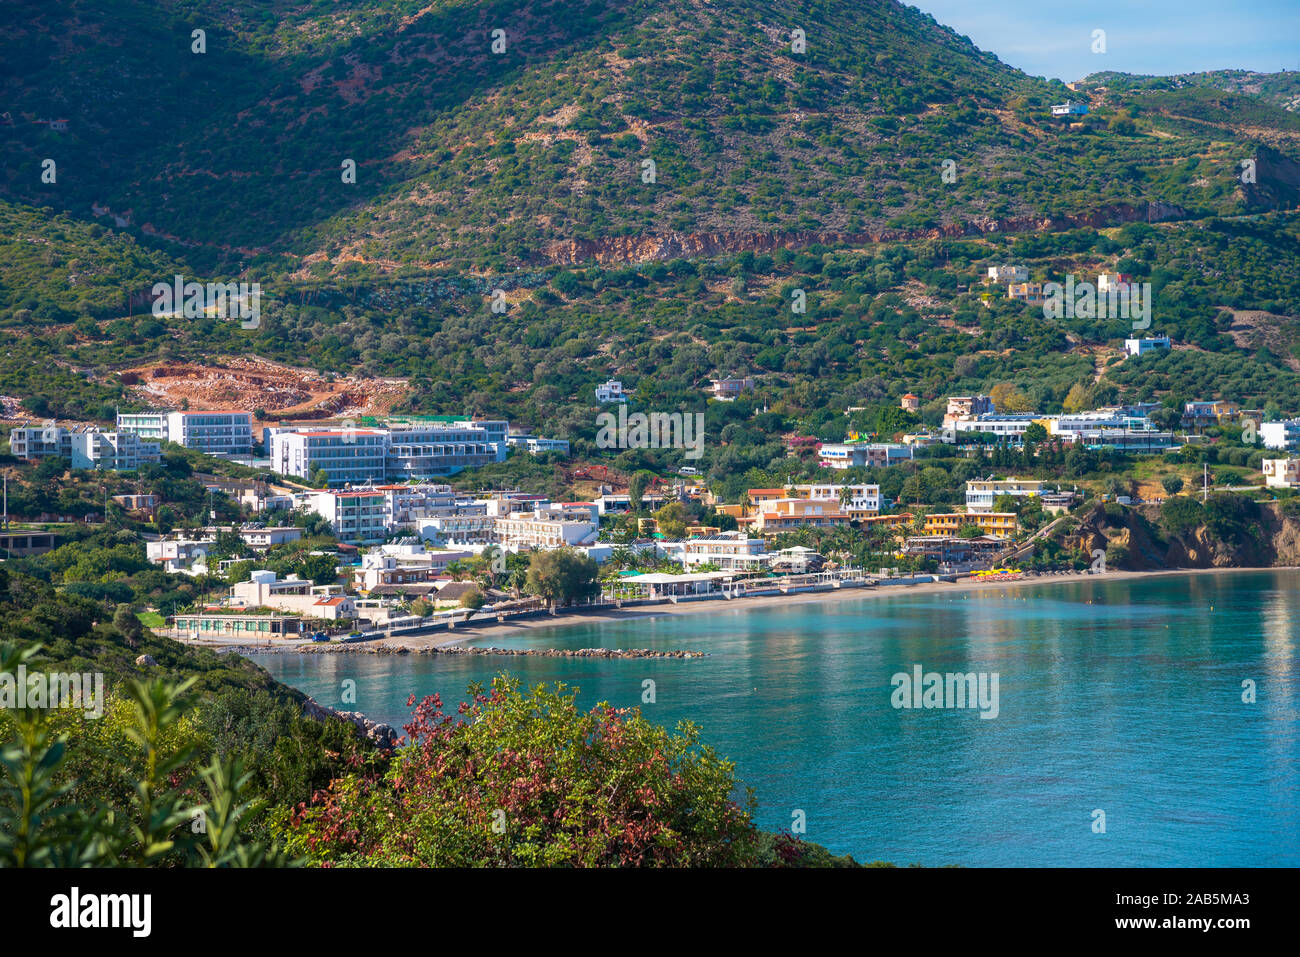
(545, 624)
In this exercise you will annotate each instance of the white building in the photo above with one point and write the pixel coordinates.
(416, 452)
(345, 455)
(462, 528)
(353, 455)
(1284, 434)
(848, 455)
(612, 503)
(611, 391)
(403, 563)
(1005, 275)
(293, 594)
(1137, 347)
(179, 556)
(354, 515)
(34, 442)
(84, 448)
(552, 527)
(224, 432)
(861, 501)
(534, 445)
(982, 493)
(112, 450)
(1005, 425)
(731, 551)
(1281, 473)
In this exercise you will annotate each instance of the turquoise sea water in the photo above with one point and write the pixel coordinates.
(1121, 696)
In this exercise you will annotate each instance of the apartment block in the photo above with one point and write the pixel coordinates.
(223, 432)
(982, 493)
(787, 514)
(353, 455)
(729, 552)
(859, 501)
(120, 451)
(84, 448)
(354, 516)
(1284, 434)
(965, 406)
(553, 527)
(414, 452)
(34, 442)
(346, 456)
(463, 528)
(996, 524)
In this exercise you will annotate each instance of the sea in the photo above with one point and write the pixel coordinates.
(1135, 721)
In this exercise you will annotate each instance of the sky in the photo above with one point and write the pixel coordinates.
(1053, 38)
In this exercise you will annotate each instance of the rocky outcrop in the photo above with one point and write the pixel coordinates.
(673, 245)
(382, 735)
(1148, 547)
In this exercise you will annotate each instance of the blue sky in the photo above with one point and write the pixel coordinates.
(1054, 39)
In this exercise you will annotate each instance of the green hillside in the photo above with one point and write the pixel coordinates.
(535, 155)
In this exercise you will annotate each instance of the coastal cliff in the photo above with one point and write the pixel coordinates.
(1227, 531)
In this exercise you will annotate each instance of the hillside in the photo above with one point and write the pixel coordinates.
(775, 171)
(1278, 89)
(535, 155)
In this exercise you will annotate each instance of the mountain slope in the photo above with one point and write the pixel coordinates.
(468, 157)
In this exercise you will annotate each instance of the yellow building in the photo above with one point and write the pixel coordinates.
(1025, 291)
(702, 531)
(997, 524)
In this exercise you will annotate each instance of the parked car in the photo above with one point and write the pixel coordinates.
(319, 636)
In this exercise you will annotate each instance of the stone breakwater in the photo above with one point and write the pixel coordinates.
(457, 650)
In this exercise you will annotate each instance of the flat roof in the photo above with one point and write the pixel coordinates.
(662, 578)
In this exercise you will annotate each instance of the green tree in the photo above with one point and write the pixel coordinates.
(671, 519)
(128, 625)
(562, 576)
(1036, 432)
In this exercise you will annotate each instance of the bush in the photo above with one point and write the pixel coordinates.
(527, 779)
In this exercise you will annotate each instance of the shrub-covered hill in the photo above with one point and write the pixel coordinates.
(536, 153)
(1279, 89)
